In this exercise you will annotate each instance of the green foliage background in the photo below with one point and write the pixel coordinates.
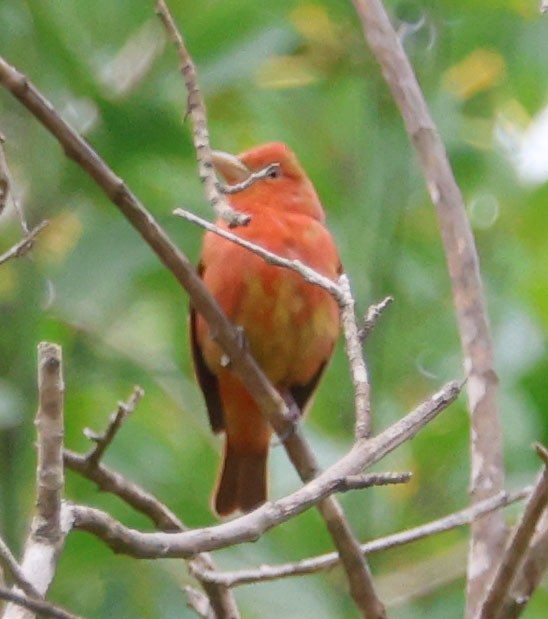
(298, 72)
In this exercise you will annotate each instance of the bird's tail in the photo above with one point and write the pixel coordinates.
(242, 483)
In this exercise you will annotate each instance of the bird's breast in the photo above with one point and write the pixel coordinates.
(289, 324)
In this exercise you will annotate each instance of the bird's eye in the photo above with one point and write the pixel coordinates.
(276, 172)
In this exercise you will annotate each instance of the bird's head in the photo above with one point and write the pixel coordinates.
(287, 188)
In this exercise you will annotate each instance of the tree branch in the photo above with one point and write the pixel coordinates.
(49, 527)
(358, 369)
(531, 573)
(117, 418)
(487, 477)
(367, 480)
(251, 526)
(9, 562)
(24, 245)
(517, 546)
(330, 560)
(45, 609)
(372, 316)
(197, 112)
(251, 179)
(308, 274)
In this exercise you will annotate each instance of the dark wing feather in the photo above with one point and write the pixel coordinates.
(302, 393)
(206, 379)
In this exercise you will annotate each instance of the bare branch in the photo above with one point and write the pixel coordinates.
(367, 480)
(358, 369)
(308, 274)
(197, 112)
(250, 526)
(135, 496)
(372, 316)
(251, 179)
(330, 560)
(531, 573)
(45, 609)
(10, 564)
(24, 245)
(50, 524)
(487, 476)
(116, 420)
(49, 424)
(517, 546)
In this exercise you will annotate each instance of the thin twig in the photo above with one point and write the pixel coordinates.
(24, 245)
(9, 562)
(330, 560)
(374, 312)
(114, 483)
(308, 274)
(517, 546)
(487, 472)
(367, 480)
(117, 418)
(197, 112)
(358, 369)
(250, 526)
(251, 179)
(45, 609)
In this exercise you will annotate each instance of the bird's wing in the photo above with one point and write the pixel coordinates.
(206, 379)
(302, 394)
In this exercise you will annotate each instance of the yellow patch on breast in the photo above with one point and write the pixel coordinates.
(289, 324)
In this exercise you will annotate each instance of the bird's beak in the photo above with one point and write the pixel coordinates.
(230, 167)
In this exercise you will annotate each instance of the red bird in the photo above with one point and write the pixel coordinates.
(290, 325)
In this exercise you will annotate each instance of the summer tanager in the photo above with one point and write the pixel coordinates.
(289, 325)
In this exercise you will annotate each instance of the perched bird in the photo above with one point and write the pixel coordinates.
(289, 325)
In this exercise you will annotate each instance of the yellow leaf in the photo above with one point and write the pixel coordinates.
(479, 71)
